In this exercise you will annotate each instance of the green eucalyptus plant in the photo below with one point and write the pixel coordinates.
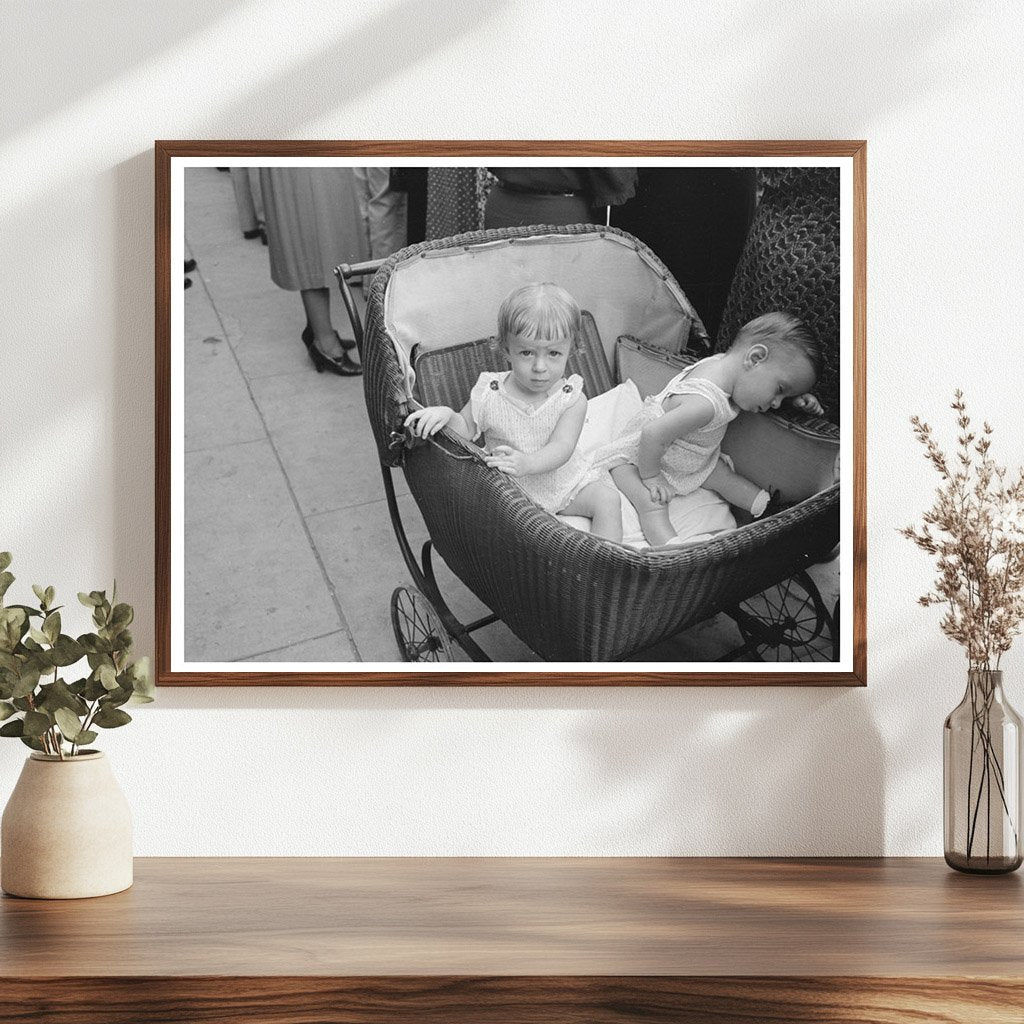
(54, 716)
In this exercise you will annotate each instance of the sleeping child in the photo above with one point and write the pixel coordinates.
(673, 445)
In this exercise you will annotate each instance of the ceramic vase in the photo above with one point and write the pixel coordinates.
(981, 775)
(66, 831)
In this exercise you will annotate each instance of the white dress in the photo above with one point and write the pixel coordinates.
(505, 419)
(689, 460)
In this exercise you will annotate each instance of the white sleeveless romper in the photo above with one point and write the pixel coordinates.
(506, 420)
(688, 461)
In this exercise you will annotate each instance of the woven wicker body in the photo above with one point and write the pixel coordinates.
(569, 596)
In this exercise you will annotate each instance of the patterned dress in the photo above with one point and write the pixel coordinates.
(504, 419)
(689, 460)
(454, 200)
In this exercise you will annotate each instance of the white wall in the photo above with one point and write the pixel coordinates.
(936, 88)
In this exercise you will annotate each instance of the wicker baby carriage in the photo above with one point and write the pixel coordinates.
(569, 596)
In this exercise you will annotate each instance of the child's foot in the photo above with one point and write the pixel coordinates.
(774, 505)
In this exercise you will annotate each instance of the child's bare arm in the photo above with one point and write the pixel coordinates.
(690, 413)
(555, 453)
(427, 422)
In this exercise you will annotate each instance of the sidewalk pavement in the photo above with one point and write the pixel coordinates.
(290, 554)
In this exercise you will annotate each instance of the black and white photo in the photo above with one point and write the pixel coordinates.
(501, 416)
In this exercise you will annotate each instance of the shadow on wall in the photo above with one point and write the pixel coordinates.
(741, 771)
(346, 63)
(678, 778)
(133, 366)
(397, 37)
(64, 77)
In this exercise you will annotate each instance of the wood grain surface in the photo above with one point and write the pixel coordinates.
(519, 1000)
(568, 940)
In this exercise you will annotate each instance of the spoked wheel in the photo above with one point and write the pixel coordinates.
(418, 629)
(787, 622)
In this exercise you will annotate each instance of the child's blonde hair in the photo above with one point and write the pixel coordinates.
(540, 310)
(779, 328)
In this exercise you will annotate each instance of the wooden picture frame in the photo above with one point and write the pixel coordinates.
(178, 162)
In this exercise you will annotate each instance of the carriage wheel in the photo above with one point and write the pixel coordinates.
(788, 622)
(420, 634)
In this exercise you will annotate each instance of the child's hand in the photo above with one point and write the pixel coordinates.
(427, 422)
(507, 460)
(809, 404)
(660, 493)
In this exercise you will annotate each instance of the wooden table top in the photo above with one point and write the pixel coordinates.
(500, 917)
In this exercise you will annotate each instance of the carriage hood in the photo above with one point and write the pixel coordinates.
(447, 292)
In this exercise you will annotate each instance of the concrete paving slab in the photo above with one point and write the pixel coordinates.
(265, 332)
(358, 549)
(236, 267)
(231, 264)
(335, 648)
(361, 555)
(502, 645)
(252, 581)
(709, 640)
(319, 426)
(218, 407)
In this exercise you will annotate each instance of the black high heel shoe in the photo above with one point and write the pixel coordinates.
(307, 339)
(341, 365)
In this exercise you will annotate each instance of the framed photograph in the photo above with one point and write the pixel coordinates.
(491, 413)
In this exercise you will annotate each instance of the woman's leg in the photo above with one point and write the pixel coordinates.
(317, 302)
(602, 505)
(654, 520)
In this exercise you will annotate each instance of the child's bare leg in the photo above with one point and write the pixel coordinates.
(654, 520)
(602, 505)
(736, 489)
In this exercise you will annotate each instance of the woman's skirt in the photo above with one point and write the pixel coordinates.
(313, 224)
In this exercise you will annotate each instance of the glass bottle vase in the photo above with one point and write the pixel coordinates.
(981, 748)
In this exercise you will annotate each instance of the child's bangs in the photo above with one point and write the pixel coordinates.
(542, 311)
(549, 321)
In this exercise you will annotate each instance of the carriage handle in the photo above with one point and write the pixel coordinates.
(404, 439)
(397, 438)
(344, 272)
